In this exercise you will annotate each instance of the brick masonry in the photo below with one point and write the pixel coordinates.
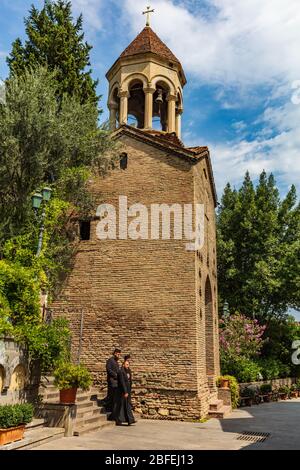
(148, 296)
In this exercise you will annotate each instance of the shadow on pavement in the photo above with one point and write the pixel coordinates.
(281, 420)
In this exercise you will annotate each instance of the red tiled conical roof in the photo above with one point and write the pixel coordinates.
(148, 41)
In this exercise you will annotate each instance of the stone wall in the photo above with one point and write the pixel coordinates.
(276, 383)
(18, 382)
(147, 296)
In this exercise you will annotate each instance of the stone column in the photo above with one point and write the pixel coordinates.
(113, 108)
(171, 113)
(123, 95)
(148, 107)
(178, 122)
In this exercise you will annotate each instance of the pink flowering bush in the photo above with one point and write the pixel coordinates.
(240, 336)
(241, 340)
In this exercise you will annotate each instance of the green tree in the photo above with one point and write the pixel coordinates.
(41, 140)
(259, 249)
(56, 42)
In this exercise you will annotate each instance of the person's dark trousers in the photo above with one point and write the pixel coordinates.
(109, 399)
(112, 394)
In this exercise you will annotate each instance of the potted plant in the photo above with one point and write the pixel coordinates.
(13, 419)
(68, 378)
(224, 382)
(233, 387)
(294, 391)
(284, 392)
(266, 392)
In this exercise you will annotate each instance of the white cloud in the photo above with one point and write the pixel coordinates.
(276, 149)
(242, 47)
(91, 10)
(247, 42)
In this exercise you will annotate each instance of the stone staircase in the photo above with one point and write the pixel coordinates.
(35, 435)
(90, 415)
(217, 409)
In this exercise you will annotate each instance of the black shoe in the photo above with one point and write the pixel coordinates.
(118, 423)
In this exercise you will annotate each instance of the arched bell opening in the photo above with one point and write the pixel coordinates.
(178, 113)
(160, 107)
(136, 104)
(114, 109)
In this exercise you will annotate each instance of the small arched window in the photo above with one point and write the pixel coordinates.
(123, 161)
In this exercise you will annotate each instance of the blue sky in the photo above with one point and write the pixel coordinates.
(242, 63)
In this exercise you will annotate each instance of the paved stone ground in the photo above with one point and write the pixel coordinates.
(281, 420)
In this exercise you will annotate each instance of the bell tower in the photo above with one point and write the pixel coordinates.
(146, 86)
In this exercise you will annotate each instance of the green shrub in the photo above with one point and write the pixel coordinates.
(245, 370)
(284, 370)
(20, 289)
(71, 376)
(284, 389)
(49, 344)
(265, 389)
(270, 368)
(248, 392)
(298, 385)
(27, 410)
(234, 389)
(15, 415)
(294, 388)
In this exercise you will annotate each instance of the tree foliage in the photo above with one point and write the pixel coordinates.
(43, 142)
(259, 249)
(56, 41)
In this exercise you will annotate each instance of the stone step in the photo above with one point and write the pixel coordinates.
(88, 412)
(221, 413)
(84, 397)
(215, 405)
(86, 406)
(34, 438)
(50, 396)
(91, 427)
(35, 423)
(47, 389)
(85, 420)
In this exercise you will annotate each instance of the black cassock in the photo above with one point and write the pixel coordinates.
(123, 411)
(112, 369)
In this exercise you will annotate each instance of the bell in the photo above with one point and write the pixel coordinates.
(159, 100)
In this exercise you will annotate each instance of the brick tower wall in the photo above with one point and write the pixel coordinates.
(142, 294)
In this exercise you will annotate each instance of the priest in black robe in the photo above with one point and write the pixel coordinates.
(123, 410)
(112, 369)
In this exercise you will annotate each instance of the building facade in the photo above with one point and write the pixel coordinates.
(149, 293)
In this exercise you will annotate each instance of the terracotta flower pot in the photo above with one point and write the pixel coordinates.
(11, 434)
(68, 396)
(283, 396)
(224, 383)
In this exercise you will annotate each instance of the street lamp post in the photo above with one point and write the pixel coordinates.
(40, 199)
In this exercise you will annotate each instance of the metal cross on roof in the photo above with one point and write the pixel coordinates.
(148, 12)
